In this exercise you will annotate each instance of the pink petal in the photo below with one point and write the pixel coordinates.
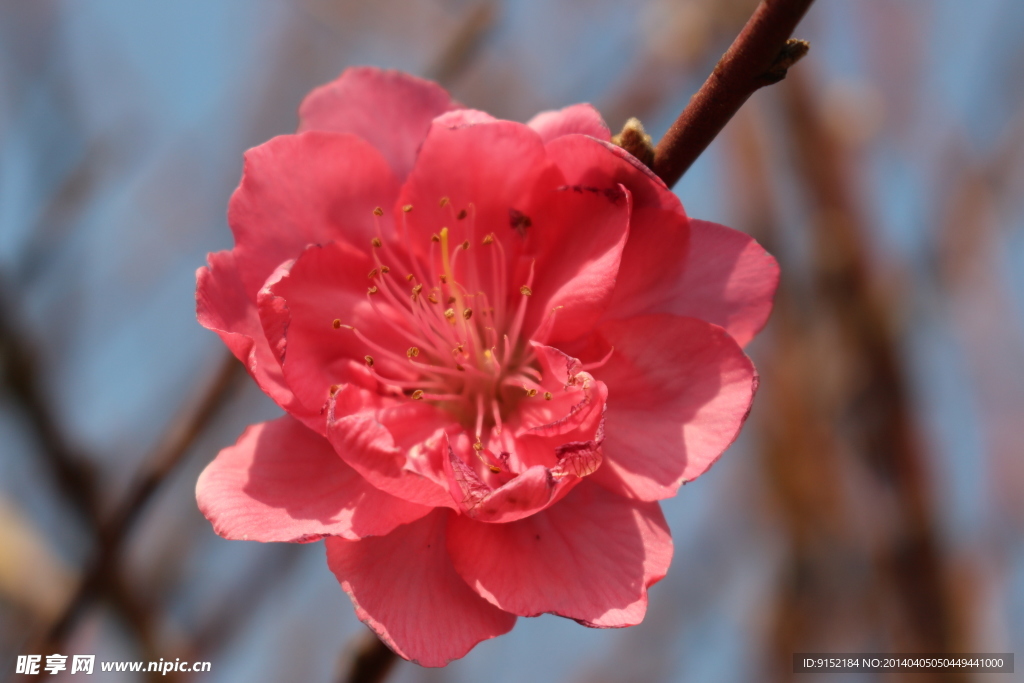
(578, 118)
(396, 445)
(298, 307)
(298, 190)
(223, 306)
(283, 482)
(590, 557)
(403, 587)
(679, 391)
(586, 161)
(729, 280)
(389, 109)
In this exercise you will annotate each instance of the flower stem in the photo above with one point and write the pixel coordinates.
(759, 56)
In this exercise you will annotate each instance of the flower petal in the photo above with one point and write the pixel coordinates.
(389, 109)
(395, 444)
(223, 306)
(403, 587)
(283, 482)
(680, 389)
(590, 557)
(577, 118)
(729, 280)
(298, 190)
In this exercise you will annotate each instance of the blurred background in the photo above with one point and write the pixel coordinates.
(874, 501)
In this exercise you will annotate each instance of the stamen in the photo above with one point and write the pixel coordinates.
(407, 208)
(547, 395)
(468, 313)
(525, 291)
(336, 323)
(450, 315)
(417, 395)
(412, 352)
(369, 360)
(432, 298)
(334, 389)
(372, 289)
(378, 212)
(444, 202)
(435, 237)
(489, 239)
(465, 245)
(372, 274)
(597, 364)
(409, 277)
(462, 214)
(376, 242)
(530, 393)
(385, 270)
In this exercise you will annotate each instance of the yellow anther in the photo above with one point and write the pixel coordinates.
(489, 238)
(468, 313)
(458, 348)
(334, 389)
(525, 291)
(451, 300)
(432, 298)
(378, 212)
(444, 202)
(450, 314)
(478, 446)
(385, 269)
(412, 352)
(462, 214)
(443, 278)
(409, 277)
(407, 208)
(416, 291)
(372, 274)
(530, 392)
(336, 324)
(376, 242)
(372, 289)
(417, 395)
(435, 237)
(369, 360)
(494, 468)
(547, 395)
(465, 245)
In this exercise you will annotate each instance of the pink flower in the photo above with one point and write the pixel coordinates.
(498, 346)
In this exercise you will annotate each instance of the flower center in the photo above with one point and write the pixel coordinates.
(463, 325)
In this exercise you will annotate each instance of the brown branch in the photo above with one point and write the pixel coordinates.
(371, 661)
(169, 452)
(759, 56)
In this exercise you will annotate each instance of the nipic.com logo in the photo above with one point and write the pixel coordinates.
(32, 665)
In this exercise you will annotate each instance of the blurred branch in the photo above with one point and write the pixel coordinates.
(171, 449)
(761, 55)
(464, 44)
(371, 661)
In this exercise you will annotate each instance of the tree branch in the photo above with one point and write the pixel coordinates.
(759, 56)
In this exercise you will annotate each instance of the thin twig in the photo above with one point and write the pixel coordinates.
(760, 56)
(166, 456)
(371, 661)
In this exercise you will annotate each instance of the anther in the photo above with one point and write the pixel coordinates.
(435, 237)
(417, 289)
(376, 242)
(378, 212)
(462, 214)
(336, 324)
(409, 277)
(412, 352)
(525, 291)
(547, 395)
(465, 245)
(450, 315)
(468, 313)
(432, 299)
(385, 270)
(407, 208)
(478, 446)
(334, 389)
(372, 274)
(443, 278)
(451, 300)
(369, 361)
(444, 202)
(417, 395)
(459, 367)
(372, 289)
(489, 239)
(530, 393)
